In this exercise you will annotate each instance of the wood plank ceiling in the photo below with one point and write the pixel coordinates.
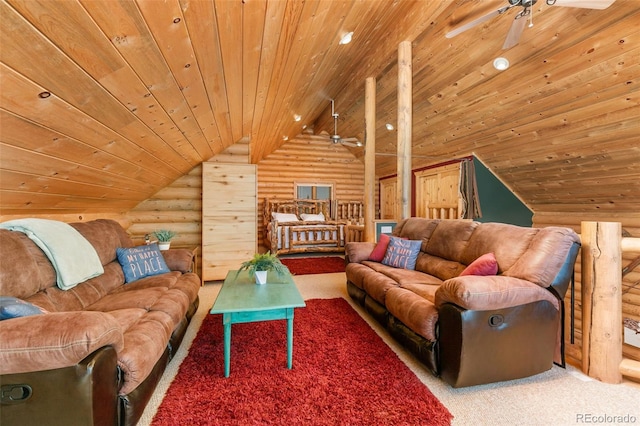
(104, 102)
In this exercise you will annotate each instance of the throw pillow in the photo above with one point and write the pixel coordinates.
(12, 307)
(402, 253)
(380, 249)
(312, 217)
(142, 261)
(484, 265)
(284, 217)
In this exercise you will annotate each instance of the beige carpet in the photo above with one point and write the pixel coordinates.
(557, 397)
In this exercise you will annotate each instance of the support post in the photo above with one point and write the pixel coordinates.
(405, 110)
(369, 158)
(602, 300)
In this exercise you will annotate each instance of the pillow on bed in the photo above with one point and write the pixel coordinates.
(312, 217)
(285, 217)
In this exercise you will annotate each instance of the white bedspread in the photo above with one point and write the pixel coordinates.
(73, 257)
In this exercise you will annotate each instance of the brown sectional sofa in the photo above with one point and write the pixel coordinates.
(472, 329)
(98, 353)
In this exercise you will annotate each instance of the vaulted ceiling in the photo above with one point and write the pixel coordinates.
(103, 103)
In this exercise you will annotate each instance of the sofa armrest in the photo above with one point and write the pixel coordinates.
(178, 259)
(482, 293)
(358, 251)
(55, 340)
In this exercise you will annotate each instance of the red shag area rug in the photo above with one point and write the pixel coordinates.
(314, 265)
(343, 374)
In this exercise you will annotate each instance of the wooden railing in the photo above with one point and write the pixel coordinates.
(442, 211)
(602, 248)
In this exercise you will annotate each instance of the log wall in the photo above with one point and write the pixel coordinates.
(630, 282)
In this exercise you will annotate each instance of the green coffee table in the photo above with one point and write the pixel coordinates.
(242, 300)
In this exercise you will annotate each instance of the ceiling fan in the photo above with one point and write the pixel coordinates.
(335, 138)
(517, 27)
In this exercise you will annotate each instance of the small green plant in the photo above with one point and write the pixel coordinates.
(164, 235)
(263, 262)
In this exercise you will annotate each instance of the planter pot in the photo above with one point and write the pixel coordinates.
(164, 245)
(261, 277)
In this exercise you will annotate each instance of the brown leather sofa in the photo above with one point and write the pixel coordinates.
(472, 329)
(97, 354)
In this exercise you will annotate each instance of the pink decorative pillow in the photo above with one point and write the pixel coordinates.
(484, 265)
(381, 248)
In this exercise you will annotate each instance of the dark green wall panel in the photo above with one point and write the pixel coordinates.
(497, 202)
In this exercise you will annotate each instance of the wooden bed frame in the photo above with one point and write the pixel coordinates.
(312, 236)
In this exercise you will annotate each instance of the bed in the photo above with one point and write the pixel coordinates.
(311, 226)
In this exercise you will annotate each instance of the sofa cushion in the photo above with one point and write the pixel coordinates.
(438, 267)
(426, 290)
(413, 310)
(402, 253)
(142, 261)
(484, 265)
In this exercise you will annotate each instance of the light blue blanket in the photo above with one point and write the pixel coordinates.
(73, 257)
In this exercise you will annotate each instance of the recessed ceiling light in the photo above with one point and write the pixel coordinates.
(346, 39)
(285, 138)
(501, 64)
(389, 126)
(297, 117)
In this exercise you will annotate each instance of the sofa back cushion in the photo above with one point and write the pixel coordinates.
(25, 270)
(416, 228)
(506, 242)
(545, 256)
(450, 238)
(105, 235)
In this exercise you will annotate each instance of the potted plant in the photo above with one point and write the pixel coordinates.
(164, 237)
(260, 264)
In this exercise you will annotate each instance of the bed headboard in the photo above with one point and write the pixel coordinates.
(349, 211)
(297, 206)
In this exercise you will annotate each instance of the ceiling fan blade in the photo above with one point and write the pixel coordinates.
(584, 4)
(478, 21)
(515, 32)
(348, 143)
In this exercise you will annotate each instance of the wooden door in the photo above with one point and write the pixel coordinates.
(229, 229)
(438, 187)
(388, 198)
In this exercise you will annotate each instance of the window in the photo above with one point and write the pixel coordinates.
(314, 191)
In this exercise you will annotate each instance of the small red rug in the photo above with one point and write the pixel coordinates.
(314, 265)
(343, 374)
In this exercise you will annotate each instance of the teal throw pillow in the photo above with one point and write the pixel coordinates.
(142, 261)
(402, 253)
(12, 307)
